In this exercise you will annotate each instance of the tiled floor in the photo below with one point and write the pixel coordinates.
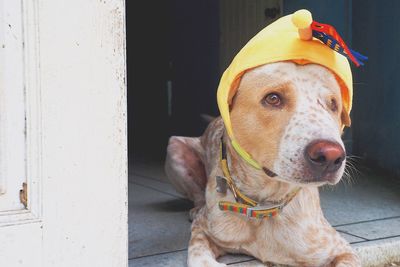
(365, 212)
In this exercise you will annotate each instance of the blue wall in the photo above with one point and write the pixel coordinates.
(376, 114)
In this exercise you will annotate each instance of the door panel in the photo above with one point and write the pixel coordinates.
(195, 66)
(12, 117)
(239, 21)
(19, 114)
(148, 73)
(63, 132)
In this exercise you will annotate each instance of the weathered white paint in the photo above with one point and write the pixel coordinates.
(12, 113)
(19, 95)
(76, 160)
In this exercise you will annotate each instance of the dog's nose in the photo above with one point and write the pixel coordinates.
(324, 156)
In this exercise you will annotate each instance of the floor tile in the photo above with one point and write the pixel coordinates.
(378, 243)
(375, 229)
(368, 198)
(174, 259)
(155, 184)
(153, 170)
(351, 238)
(158, 222)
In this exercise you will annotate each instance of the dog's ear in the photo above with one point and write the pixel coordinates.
(346, 121)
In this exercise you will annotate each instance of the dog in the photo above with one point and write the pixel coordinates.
(290, 118)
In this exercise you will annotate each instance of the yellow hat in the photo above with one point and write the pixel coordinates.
(288, 38)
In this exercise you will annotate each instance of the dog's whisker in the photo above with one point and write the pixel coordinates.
(352, 171)
(354, 156)
(347, 180)
(353, 166)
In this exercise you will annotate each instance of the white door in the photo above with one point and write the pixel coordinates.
(63, 133)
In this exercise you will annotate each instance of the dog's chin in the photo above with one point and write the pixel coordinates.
(315, 181)
(305, 176)
(322, 179)
(320, 182)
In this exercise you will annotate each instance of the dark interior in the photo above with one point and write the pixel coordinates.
(174, 50)
(172, 72)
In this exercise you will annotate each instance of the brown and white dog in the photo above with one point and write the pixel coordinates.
(289, 117)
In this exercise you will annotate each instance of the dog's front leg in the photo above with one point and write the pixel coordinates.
(347, 259)
(344, 255)
(202, 251)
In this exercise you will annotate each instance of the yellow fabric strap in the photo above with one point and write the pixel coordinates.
(244, 155)
(236, 192)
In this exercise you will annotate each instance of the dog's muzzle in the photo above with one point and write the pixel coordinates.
(324, 157)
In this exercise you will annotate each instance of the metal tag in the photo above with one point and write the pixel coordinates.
(221, 184)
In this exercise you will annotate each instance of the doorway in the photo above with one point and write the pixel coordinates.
(173, 72)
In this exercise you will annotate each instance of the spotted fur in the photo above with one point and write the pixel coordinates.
(276, 138)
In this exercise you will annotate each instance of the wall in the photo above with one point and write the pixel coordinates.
(376, 114)
(172, 53)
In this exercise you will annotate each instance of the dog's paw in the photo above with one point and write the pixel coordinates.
(346, 260)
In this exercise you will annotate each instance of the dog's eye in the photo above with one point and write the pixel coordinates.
(333, 105)
(272, 99)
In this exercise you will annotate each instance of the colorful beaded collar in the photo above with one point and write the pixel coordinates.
(245, 205)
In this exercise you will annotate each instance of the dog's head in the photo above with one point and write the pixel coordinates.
(290, 117)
